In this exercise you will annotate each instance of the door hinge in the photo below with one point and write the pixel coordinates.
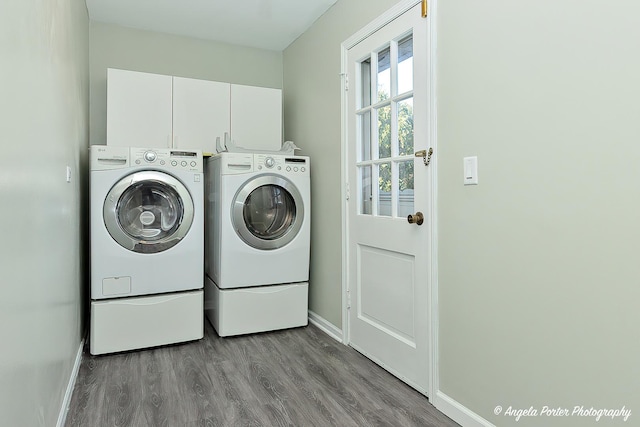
(346, 82)
(347, 191)
(348, 299)
(425, 7)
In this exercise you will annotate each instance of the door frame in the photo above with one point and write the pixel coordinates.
(432, 282)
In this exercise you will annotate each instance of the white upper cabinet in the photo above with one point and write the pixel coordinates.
(156, 111)
(138, 109)
(256, 117)
(200, 113)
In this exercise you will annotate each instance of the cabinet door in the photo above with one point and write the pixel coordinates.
(138, 109)
(200, 113)
(256, 117)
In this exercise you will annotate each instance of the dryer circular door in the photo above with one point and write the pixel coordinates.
(267, 212)
(148, 212)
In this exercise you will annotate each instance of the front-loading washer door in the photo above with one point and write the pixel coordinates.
(267, 212)
(148, 212)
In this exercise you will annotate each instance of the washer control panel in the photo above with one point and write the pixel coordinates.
(297, 165)
(165, 158)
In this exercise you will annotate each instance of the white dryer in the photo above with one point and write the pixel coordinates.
(257, 241)
(147, 247)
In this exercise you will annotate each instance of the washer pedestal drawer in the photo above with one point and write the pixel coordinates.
(149, 321)
(256, 309)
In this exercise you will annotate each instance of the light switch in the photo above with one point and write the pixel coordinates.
(470, 170)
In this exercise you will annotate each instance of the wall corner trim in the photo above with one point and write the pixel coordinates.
(66, 401)
(391, 14)
(458, 412)
(326, 326)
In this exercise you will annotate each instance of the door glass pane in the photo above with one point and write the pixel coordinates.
(269, 211)
(405, 188)
(384, 74)
(365, 136)
(405, 65)
(393, 111)
(150, 211)
(405, 127)
(365, 83)
(384, 132)
(384, 189)
(365, 193)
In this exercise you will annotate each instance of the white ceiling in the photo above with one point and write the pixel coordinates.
(264, 24)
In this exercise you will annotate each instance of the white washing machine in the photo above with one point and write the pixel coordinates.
(257, 241)
(147, 247)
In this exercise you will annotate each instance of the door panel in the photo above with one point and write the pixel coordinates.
(388, 292)
(388, 258)
(256, 117)
(138, 109)
(201, 113)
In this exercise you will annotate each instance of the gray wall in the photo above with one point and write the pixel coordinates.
(539, 264)
(312, 90)
(138, 50)
(44, 104)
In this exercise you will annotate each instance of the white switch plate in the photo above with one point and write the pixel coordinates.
(470, 170)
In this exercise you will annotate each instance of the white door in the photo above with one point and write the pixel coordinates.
(138, 109)
(200, 113)
(256, 117)
(387, 118)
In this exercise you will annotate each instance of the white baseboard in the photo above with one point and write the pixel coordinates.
(327, 327)
(66, 401)
(458, 412)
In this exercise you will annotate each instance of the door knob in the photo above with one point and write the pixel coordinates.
(417, 218)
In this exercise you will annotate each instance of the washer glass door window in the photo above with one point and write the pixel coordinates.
(148, 212)
(268, 212)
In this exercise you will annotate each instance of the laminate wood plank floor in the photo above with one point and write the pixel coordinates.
(296, 377)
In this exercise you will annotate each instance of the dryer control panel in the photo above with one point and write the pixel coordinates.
(298, 165)
(164, 158)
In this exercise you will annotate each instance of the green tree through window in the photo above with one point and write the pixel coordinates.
(405, 142)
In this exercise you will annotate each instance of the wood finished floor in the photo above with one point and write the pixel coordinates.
(296, 377)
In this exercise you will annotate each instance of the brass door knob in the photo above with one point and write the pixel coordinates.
(417, 218)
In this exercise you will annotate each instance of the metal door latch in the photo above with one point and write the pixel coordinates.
(417, 218)
(426, 155)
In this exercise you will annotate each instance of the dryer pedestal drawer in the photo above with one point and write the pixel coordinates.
(257, 309)
(140, 322)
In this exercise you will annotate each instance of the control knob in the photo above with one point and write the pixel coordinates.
(150, 156)
(269, 162)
